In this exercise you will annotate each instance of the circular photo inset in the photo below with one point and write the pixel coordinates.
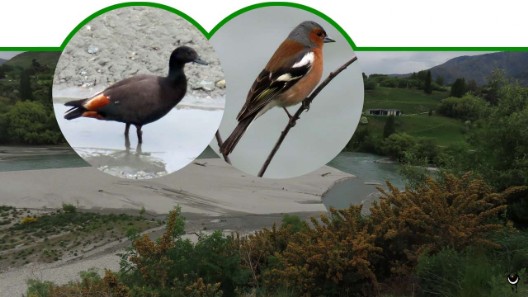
(138, 92)
(285, 52)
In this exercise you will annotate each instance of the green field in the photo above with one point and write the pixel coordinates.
(415, 121)
(409, 101)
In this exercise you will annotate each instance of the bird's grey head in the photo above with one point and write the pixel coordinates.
(310, 34)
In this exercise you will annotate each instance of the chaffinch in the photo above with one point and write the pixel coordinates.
(291, 74)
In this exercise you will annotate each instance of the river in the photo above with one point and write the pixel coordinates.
(372, 171)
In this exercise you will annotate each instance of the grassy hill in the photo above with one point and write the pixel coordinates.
(415, 121)
(24, 60)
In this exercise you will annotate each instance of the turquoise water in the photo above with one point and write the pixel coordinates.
(29, 158)
(368, 167)
(14, 158)
(372, 171)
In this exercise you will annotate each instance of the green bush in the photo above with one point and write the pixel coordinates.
(30, 123)
(459, 274)
(397, 144)
(468, 107)
(69, 208)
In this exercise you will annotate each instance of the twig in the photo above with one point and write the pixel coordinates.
(304, 106)
(220, 142)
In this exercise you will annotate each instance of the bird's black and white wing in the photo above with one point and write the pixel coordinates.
(271, 83)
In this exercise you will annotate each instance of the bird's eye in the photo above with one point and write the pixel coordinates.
(320, 34)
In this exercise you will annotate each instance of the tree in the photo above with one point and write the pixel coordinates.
(496, 81)
(390, 126)
(502, 142)
(472, 87)
(428, 85)
(26, 93)
(458, 89)
(439, 80)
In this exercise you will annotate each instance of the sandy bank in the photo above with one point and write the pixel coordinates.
(207, 186)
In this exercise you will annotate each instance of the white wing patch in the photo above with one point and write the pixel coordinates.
(306, 60)
(286, 77)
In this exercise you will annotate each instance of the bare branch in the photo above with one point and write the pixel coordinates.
(304, 106)
(220, 142)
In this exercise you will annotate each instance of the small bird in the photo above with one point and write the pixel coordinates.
(140, 99)
(291, 74)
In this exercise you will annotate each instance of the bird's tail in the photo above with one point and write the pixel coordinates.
(229, 144)
(77, 109)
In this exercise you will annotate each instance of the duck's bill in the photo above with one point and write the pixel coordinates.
(200, 61)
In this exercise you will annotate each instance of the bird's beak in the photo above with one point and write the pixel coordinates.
(328, 40)
(200, 61)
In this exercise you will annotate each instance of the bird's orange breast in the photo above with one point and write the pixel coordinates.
(305, 86)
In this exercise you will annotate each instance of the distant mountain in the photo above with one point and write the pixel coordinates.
(478, 68)
(25, 59)
(2, 61)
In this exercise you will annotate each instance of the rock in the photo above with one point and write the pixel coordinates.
(203, 85)
(92, 49)
(221, 84)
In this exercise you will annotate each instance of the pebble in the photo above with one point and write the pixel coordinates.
(203, 85)
(221, 84)
(92, 49)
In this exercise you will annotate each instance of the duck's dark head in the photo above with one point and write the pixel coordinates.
(184, 54)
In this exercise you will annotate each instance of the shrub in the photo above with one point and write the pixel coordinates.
(331, 259)
(28, 220)
(69, 208)
(454, 212)
(468, 107)
(397, 144)
(31, 123)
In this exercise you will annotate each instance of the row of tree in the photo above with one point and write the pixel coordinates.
(421, 80)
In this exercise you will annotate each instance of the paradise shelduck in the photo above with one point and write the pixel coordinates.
(140, 99)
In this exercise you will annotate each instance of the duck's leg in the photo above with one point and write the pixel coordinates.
(139, 133)
(127, 127)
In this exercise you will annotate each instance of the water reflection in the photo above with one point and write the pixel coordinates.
(128, 163)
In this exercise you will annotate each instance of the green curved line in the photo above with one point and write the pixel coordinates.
(208, 35)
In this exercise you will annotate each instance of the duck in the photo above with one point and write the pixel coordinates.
(140, 99)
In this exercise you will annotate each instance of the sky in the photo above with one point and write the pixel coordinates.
(405, 62)
(8, 55)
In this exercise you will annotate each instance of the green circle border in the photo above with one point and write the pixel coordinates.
(209, 34)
